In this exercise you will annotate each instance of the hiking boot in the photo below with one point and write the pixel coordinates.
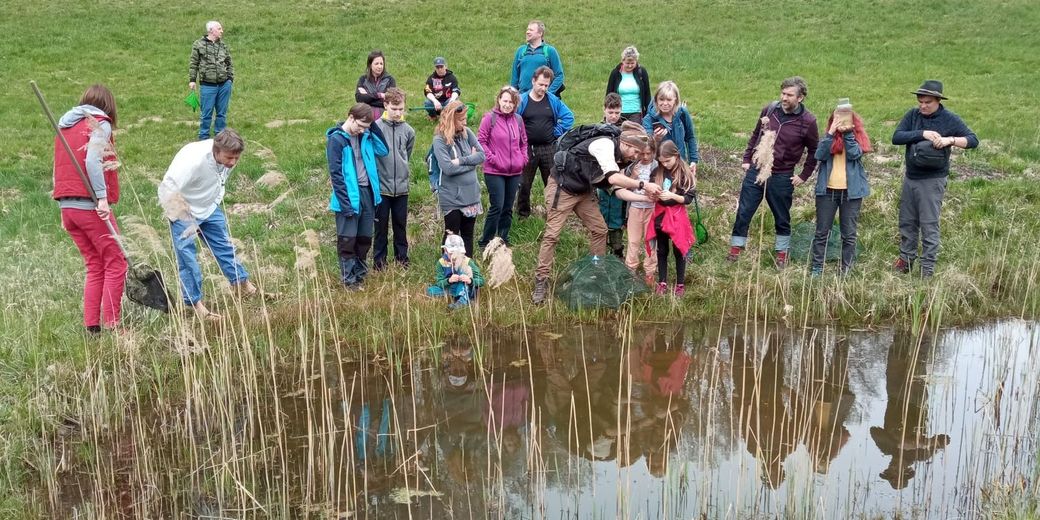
(680, 290)
(734, 253)
(662, 289)
(901, 266)
(781, 259)
(541, 287)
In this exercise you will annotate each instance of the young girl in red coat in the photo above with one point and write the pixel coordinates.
(670, 224)
(88, 128)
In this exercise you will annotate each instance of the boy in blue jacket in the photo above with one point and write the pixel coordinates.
(351, 151)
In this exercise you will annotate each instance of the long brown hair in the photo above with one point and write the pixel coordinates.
(682, 177)
(447, 126)
(100, 97)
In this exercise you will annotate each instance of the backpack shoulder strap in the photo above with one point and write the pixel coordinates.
(772, 108)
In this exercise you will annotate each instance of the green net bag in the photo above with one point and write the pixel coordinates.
(801, 243)
(598, 282)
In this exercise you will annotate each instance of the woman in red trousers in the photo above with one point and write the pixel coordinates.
(88, 128)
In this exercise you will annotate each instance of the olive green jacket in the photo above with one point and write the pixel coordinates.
(210, 62)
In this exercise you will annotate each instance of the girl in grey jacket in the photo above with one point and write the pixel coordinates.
(458, 154)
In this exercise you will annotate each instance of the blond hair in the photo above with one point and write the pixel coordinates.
(447, 126)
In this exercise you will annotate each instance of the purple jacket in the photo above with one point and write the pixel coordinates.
(794, 136)
(505, 143)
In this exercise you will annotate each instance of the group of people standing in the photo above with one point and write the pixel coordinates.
(636, 170)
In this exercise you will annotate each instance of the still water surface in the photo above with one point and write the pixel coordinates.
(732, 421)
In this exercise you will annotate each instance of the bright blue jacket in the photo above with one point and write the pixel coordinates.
(855, 175)
(680, 131)
(346, 194)
(564, 116)
(527, 60)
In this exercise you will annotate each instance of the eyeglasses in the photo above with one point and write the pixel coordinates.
(460, 109)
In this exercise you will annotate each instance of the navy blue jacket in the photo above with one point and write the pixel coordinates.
(911, 130)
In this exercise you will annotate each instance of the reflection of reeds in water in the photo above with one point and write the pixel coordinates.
(626, 420)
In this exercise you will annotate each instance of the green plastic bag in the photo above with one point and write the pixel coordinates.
(192, 100)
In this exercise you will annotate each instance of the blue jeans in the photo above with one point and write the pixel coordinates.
(354, 239)
(779, 193)
(213, 98)
(501, 194)
(428, 105)
(213, 231)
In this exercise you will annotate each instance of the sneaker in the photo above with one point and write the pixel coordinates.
(650, 281)
(901, 266)
(541, 287)
(781, 259)
(662, 288)
(816, 272)
(734, 253)
(458, 304)
(680, 290)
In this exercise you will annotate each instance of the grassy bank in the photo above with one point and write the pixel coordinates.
(297, 63)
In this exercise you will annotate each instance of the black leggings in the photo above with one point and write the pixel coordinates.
(663, 241)
(461, 225)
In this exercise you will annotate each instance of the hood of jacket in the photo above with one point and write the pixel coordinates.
(79, 113)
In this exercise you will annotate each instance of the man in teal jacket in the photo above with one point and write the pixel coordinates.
(351, 151)
(532, 55)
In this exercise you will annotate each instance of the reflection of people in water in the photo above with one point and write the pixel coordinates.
(904, 435)
(761, 396)
(659, 370)
(824, 401)
(484, 423)
(580, 397)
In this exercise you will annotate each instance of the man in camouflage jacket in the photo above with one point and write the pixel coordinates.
(210, 65)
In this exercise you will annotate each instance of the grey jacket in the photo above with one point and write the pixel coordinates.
(393, 167)
(459, 185)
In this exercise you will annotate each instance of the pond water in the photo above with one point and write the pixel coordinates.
(659, 421)
(738, 421)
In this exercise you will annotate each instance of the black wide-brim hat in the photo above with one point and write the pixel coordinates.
(931, 87)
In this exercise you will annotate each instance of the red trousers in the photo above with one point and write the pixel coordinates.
(105, 263)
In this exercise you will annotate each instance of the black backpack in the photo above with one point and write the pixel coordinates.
(574, 173)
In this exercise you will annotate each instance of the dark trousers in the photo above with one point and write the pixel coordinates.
(779, 193)
(391, 211)
(501, 191)
(663, 241)
(836, 201)
(461, 225)
(354, 238)
(539, 157)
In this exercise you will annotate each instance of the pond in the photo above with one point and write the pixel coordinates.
(743, 420)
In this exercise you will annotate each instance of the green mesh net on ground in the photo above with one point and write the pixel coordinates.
(596, 282)
(801, 243)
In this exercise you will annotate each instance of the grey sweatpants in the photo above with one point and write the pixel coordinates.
(919, 208)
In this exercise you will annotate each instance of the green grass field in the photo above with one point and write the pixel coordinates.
(296, 67)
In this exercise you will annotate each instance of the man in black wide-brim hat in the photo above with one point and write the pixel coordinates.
(928, 131)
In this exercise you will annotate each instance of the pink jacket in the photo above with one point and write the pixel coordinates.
(505, 143)
(675, 223)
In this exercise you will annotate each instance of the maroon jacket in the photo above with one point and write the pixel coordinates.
(796, 134)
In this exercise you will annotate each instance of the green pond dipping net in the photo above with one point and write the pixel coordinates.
(598, 282)
(801, 243)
